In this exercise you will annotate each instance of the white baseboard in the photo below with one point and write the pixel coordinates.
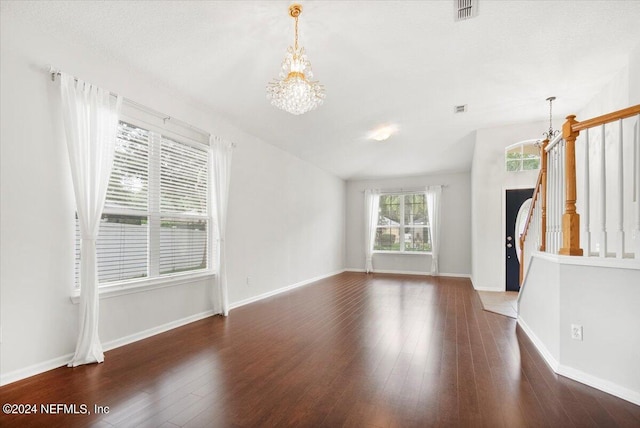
(54, 363)
(480, 288)
(455, 275)
(601, 384)
(577, 375)
(498, 290)
(34, 369)
(540, 346)
(113, 344)
(410, 272)
(402, 272)
(235, 305)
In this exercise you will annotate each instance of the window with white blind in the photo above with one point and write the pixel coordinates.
(156, 220)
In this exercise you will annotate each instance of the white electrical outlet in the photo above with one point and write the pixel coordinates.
(576, 332)
(248, 280)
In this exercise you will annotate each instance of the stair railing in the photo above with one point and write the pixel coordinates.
(554, 223)
(534, 224)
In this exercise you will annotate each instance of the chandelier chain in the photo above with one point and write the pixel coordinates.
(295, 45)
(550, 117)
(551, 133)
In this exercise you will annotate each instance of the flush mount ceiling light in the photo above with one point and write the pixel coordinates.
(383, 132)
(292, 91)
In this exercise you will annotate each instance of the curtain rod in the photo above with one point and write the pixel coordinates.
(55, 72)
(409, 189)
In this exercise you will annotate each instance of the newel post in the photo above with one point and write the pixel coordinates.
(543, 196)
(570, 218)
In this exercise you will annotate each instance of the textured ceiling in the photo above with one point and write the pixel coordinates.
(401, 62)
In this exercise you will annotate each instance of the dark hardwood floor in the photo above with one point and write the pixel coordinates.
(352, 350)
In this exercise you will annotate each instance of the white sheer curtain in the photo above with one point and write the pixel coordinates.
(433, 196)
(91, 123)
(371, 208)
(221, 153)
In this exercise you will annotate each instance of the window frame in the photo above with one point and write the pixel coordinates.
(402, 226)
(156, 123)
(521, 145)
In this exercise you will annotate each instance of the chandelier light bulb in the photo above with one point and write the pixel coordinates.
(293, 91)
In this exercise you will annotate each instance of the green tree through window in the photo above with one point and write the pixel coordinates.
(403, 223)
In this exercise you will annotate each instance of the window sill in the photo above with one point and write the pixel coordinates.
(413, 253)
(129, 287)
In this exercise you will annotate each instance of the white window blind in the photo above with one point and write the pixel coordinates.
(183, 245)
(183, 205)
(121, 248)
(129, 182)
(183, 178)
(156, 219)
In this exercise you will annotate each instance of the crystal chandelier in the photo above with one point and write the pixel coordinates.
(293, 92)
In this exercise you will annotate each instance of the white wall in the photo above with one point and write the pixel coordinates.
(286, 217)
(455, 255)
(489, 179)
(286, 222)
(596, 294)
(634, 72)
(539, 305)
(603, 300)
(613, 96)
(616, 95)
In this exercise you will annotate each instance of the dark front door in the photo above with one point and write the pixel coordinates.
(514, 200)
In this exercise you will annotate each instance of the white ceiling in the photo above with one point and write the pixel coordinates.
(401, 62)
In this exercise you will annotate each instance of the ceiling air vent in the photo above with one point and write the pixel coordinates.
(460, 109)
(465, 9)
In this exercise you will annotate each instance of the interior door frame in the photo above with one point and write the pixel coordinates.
(503, 234)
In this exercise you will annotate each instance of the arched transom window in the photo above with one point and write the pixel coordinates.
(522, 156)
